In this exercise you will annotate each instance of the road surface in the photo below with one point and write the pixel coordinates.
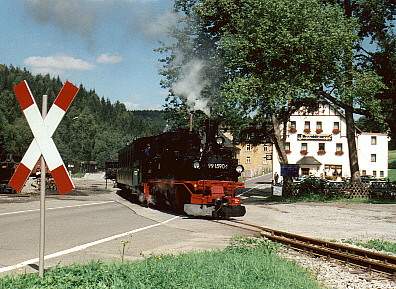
(94, 224)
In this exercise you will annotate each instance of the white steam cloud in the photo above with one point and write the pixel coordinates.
(191, 84)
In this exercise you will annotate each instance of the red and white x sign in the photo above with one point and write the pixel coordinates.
(43, 144)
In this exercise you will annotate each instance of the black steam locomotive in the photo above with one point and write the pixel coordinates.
(183, 170)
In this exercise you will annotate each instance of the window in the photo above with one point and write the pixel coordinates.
(287, 146)
(265, 148)
(248, 160)
(339, 147)
(321, 146)
(304, 146)
(248, 147)
(292, 127)
(381, 174)
(307, 125)
(373, 158)
(336, 125)
(373, 140)
(374, 174)
(319, 125)
(364, 173)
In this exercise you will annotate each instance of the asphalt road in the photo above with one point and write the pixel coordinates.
(258, 187)
(91, 227)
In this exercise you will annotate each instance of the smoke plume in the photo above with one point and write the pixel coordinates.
(134, 18)
(191, 84)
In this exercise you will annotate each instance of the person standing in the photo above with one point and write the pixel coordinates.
(276, 177)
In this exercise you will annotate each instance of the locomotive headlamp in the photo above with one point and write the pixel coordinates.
(196, 165)
(219, 140)
(239, 169)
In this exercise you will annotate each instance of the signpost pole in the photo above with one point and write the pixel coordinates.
(42, 200)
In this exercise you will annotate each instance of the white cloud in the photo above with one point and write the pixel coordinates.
(56, 64)
(109, 58)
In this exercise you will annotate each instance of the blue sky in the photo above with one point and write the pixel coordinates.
(106, 45)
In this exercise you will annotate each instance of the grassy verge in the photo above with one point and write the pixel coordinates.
(392, 165)
(247, 263)
(392, 175)
(376, 244)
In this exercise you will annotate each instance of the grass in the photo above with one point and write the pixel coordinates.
(392, 175)
(247, 263)
(392, 165)
(392, 155)
(376, 244)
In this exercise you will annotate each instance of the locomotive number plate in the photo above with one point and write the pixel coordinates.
(218, 166)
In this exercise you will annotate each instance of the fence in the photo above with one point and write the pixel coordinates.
(373, 190)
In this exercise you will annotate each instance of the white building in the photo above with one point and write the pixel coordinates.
(318, 143)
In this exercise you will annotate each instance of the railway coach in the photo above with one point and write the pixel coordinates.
(187, 171)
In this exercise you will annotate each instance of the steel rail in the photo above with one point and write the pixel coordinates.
(368, 259)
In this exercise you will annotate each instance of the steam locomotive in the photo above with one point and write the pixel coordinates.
(183, 170)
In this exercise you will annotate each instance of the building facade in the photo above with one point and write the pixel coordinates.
(317, 142)
(257, 160)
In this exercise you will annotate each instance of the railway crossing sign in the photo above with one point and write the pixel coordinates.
(43, 129)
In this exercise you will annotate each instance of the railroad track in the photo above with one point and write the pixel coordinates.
(370, 260)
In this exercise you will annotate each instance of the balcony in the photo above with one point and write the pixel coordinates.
(307, 130)
(321, 152)
(319, 131)
(304, 152)
(336, 130)
(288, 152)
(292, 130)
(339, 153)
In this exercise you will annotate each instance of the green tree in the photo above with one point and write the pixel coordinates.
(276, 55)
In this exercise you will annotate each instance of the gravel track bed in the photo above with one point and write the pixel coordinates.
(334, 275)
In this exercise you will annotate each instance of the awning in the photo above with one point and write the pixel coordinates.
(310, 161)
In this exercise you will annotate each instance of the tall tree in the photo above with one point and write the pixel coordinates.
(275, 54)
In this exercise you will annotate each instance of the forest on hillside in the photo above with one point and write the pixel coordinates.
(94, 129)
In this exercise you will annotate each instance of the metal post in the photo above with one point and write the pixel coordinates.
(42, 200)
